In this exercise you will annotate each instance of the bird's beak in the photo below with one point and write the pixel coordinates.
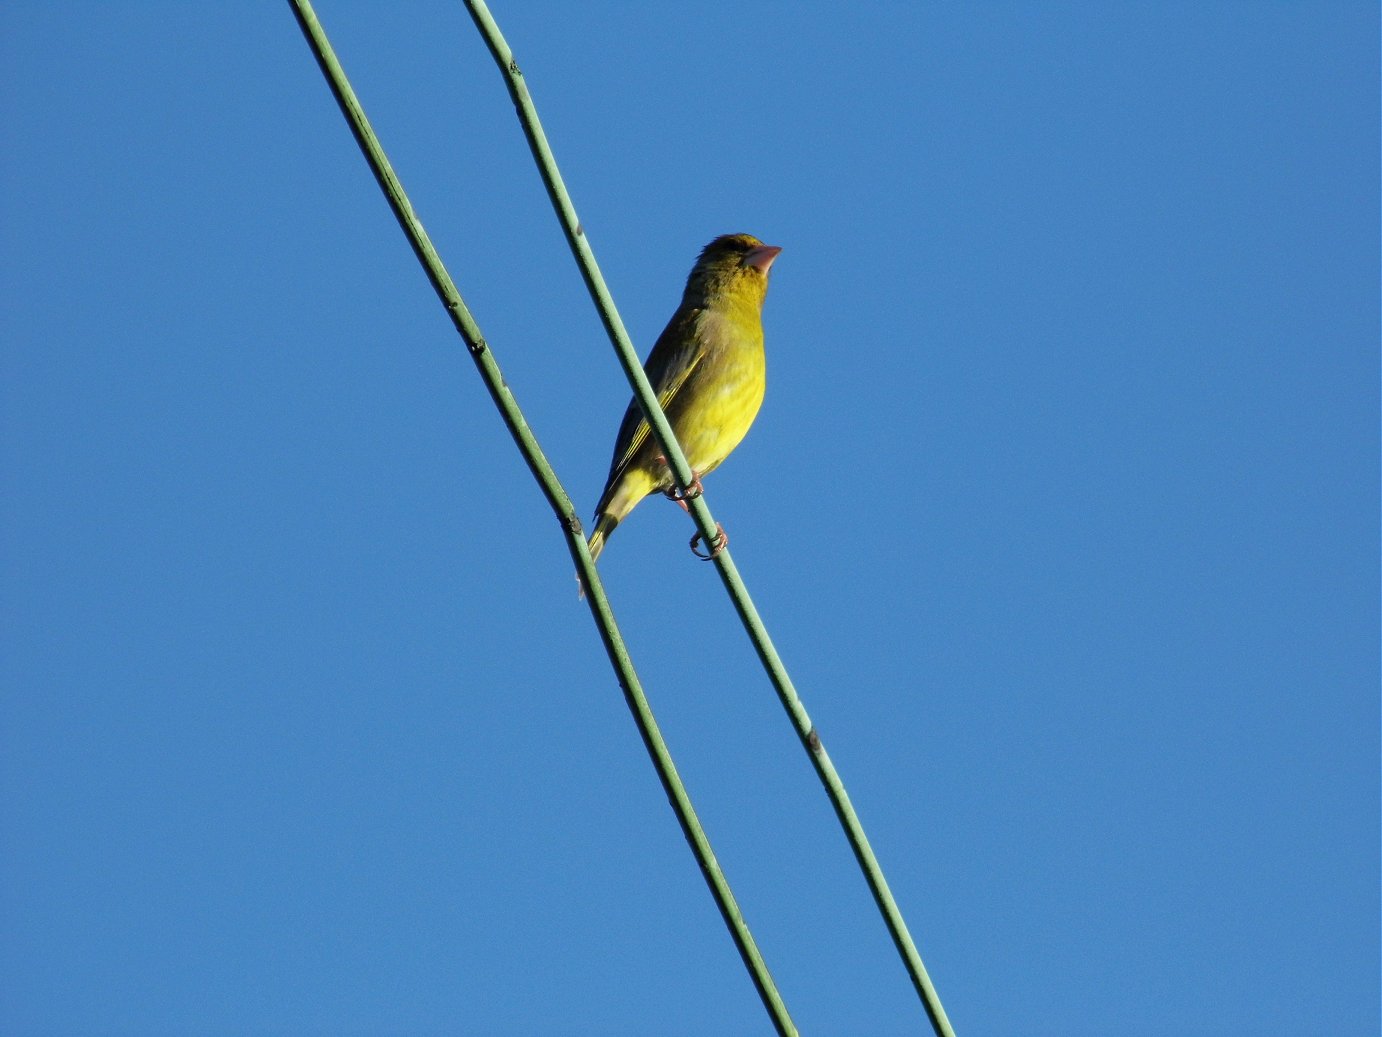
(761, 258)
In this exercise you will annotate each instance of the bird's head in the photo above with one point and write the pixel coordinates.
(733, 264)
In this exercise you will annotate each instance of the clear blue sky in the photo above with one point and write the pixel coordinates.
(1062, 508)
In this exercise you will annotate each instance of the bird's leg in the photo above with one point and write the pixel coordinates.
(690, 493)
(682, 496)
(714, 546)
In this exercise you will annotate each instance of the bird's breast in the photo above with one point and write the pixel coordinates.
(727, 389)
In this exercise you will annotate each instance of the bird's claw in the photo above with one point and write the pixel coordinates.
(714, 546)
(675, 493)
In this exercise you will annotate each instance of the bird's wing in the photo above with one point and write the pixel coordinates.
(677, 353)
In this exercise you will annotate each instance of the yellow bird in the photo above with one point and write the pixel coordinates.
(708, 371)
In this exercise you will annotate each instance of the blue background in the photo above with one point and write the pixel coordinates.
(1062, 509)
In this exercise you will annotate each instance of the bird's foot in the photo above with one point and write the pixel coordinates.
(675, 493)
(714, 545)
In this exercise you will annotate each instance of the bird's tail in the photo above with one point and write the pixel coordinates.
(616, 502)
(604, 526)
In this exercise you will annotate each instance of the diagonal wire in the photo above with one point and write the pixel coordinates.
(561, 504)
(681, 471)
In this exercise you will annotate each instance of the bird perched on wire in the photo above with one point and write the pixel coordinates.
(708, 371)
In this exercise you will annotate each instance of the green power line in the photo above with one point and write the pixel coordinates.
(681, 471)
(561, 504)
